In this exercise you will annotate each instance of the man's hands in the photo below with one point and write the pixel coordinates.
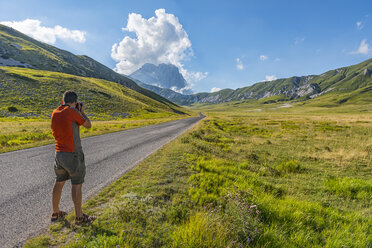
(81, 108)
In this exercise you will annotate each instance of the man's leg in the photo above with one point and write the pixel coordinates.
(56, 195)
(77, 199)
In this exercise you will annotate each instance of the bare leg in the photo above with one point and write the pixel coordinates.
(77, 198)
(56, 195)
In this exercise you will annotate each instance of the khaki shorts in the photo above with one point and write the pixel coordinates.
(69, 165)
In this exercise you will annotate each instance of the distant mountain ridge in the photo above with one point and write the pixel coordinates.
(163, 75)
(355, 79)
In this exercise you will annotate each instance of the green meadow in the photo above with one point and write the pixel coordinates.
(281, 176)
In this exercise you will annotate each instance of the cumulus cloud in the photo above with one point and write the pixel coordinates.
(192, 77)
(215, 89)
(185, 90)
(50, 35)
(239, 64)
(263, 57)
(270, 78)
(159, 39)
(363, 48)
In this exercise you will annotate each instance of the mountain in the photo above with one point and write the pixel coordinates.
(163, 75)
(351, 84)
(338, 82)
(18, 49)
(27, 92)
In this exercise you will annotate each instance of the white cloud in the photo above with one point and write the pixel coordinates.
(277, 59)
(299, 40)
(270, 78)
(363, 48)
(359, 25)
(263, 57)
(239, 64)
(34, 29)
(185, 90)
(159, 39)
(192, 77)
(215, 89)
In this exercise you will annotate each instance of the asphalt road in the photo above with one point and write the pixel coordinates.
(27, 176)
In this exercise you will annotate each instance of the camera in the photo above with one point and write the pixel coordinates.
(79, 105)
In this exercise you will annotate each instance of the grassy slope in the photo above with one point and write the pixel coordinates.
(40, 91)
(275, 178)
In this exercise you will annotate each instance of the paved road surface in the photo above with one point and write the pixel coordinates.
(27, 176)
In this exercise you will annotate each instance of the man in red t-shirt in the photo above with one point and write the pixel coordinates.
(69, 157)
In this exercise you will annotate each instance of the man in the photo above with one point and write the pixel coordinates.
(69, 157)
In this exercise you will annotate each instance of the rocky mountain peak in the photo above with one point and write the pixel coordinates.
(162, 75)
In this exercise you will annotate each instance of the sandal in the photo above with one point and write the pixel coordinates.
(85, 219)
(57, 216)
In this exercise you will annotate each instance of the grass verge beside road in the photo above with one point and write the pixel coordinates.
(240, 180)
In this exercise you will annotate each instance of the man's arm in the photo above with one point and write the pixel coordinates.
(87, 123)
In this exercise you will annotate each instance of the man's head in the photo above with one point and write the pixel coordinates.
(69, 97)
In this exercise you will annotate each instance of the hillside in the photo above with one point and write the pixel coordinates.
(350, 84)
(335, 84)
(18, 49)
(36, 93)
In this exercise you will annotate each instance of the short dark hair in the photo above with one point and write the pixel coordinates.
(69, 97)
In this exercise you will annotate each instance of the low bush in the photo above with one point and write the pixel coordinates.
(201, 231)
(291, 166)
(12, 109)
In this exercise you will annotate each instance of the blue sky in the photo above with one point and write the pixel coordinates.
(221, 44)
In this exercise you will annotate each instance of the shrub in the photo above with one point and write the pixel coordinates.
(12, 109)
(37, 242)
(200, 231)
(290, 166)
(242, 218)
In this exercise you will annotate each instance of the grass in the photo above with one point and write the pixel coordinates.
(275, 178)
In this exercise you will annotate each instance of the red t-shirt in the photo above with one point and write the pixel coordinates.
(63, 119)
